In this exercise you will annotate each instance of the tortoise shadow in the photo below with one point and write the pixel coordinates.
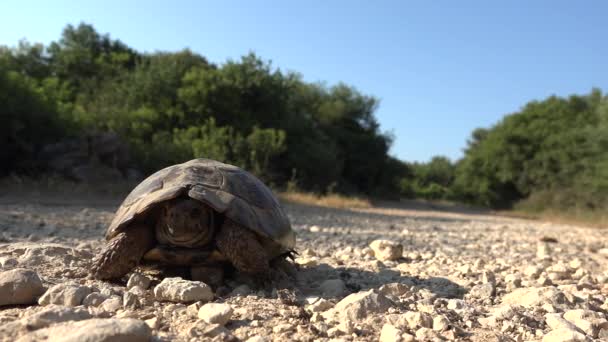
(309, 279)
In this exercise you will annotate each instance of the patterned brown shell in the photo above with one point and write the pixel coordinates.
(226, 188)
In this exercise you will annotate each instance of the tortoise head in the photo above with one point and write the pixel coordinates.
(185, 222)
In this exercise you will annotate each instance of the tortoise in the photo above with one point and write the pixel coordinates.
(201, 212)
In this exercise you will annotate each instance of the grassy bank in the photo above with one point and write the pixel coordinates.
(330, 200)
(579, 217)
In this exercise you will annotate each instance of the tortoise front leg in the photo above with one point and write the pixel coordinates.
(123, 252)
(242, 248)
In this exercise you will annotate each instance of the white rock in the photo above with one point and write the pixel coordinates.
(130, 301)
(307, 261)
(215, 313)
(334, 332)
(19, 286)
(65, 294)
(565, 335)
(112, 304)
(183, 291)
(347, 326)
(390, 333)
(440, 323)
(282, 328)
(111, 329)
(417, 319)
(359, 305)
(257, 338)
(559, 271)
(333, 288)
(426, 334)
(386, 250)
(138, 279)
(505, 312)
(55, 314)
(534, 296)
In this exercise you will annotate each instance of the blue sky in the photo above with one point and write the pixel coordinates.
(439, 68)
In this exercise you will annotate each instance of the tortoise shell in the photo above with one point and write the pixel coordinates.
(226, 188)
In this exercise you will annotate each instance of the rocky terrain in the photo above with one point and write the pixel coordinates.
(381, 274)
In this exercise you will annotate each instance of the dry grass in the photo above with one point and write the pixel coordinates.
(331, 200)
(579, 217)
(57, 187)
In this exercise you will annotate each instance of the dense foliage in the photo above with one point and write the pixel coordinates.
(551, 154)
(174, 106)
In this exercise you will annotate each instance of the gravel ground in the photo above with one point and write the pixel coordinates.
(388, 274)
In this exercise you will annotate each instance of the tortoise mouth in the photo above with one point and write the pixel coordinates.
(187, 223)
(170, 236)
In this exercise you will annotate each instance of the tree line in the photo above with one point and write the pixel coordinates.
(552, 153)
(173, 106)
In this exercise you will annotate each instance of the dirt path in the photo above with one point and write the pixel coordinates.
(438, 276)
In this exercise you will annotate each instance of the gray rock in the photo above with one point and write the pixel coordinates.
(483, 291)
(385, 250)
(130, 301)
(282, 328)
(110, 330)
(390, 333)
(456, 304)
(94, 299)
(179, 290)
(19, 286)
(427, 334)
(556, 321)
(65, 294)
(589, 322)
(418, 319)
(241, 290)
(320, 305)
(138, 279)
(334, 288)
(533, 271)
(543, 251)
(215, 313)
(203, 330)
(55, 314)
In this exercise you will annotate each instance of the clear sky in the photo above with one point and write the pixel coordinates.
(439, 68)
